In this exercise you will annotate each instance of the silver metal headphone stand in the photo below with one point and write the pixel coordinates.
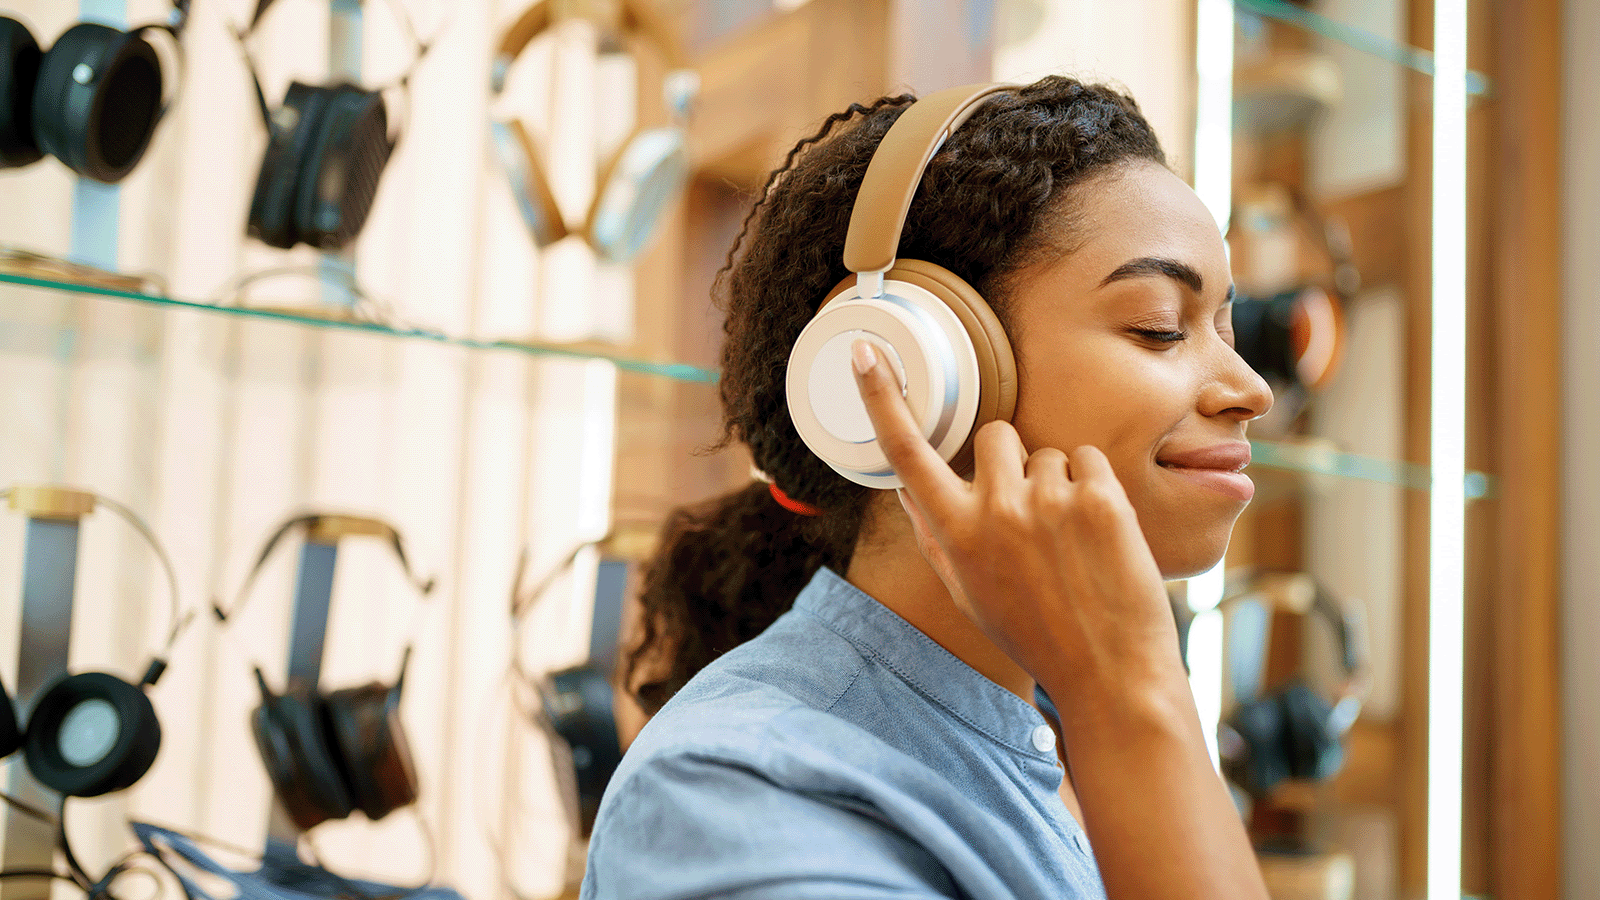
(49, 575)
(308, 631)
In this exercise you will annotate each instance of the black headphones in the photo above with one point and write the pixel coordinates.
(577, 703)
(327, 147)
(1289, 731)
(91, 733)
(330, 754)
(92, 101)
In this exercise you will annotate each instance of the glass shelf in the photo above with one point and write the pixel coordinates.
(336, 319)
(1365, 41)
(1310, 459)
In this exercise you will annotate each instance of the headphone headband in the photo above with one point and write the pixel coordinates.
(879, 215)
(71, 504)
(638, 18)
(324, 528)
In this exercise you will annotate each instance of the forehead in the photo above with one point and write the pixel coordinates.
(1145, 210)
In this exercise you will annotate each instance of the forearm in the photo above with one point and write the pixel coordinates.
(1160, 819)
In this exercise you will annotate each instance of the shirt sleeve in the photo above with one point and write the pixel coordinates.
(683, 826)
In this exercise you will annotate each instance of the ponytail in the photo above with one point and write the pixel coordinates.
(725, 570)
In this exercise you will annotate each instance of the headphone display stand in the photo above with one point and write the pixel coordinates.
(308, 629)
(49, 577)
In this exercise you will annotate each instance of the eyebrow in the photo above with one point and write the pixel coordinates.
(1161, 267)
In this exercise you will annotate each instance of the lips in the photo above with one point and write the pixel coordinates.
(1218, 467)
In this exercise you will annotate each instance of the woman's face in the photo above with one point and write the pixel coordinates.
(1126, 344)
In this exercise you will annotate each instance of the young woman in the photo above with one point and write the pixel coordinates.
(970, 686)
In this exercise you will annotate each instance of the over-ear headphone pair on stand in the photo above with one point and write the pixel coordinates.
(89, 733)
(327, 147)
(637, 183)
(944, 342)
(93, 100)
(1289, 730)
(330, 753)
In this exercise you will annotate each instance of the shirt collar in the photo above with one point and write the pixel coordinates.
(928, 668)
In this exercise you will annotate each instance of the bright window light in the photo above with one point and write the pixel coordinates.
(1446, 624)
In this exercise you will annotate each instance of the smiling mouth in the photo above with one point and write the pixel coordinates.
(1231, 482)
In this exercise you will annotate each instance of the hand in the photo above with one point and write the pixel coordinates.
(1042, 551)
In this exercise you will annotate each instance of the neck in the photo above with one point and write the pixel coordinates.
(888, 566)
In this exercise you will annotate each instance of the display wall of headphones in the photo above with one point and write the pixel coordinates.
(89, 733)
(953, 359)
(1288, 730)
(327, 148)
(331, 753)
(92, 101)
(636, 183)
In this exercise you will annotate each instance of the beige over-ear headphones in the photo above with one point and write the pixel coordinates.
(953, 358)
(637, 183)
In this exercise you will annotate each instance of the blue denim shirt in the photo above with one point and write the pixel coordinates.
(842, 754)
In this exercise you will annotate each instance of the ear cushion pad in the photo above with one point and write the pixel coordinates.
(98, 100)
(341, 167)
(294, 747)
(20, 57)
(997, 365)
(365, 728)
(10, 731)
(91, 734)
(1260, 724)
(1315, 752)
(295, 126)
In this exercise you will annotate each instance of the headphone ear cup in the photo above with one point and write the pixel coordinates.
(97, 100)
(1314, 750)
(997, 364)
(292, 128)
(636, 186)
(10, 731)
(344, 160)
(91, 734)
(299, 758)
(1259, 723)
(955, 360)
(20, 58)
(365, 727)
(530, 184)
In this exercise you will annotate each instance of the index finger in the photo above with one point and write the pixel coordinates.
(928, 478)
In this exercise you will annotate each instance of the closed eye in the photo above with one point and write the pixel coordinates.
(1159, 336)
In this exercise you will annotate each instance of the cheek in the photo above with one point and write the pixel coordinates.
(1118, 403)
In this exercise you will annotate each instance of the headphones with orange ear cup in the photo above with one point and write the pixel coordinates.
(330, 754)
(952, 356)
(636, 184)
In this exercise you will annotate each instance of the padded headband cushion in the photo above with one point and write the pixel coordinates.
(92, 734)
(98, 100)
(20, 57)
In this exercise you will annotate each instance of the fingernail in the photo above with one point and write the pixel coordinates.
(861, 357)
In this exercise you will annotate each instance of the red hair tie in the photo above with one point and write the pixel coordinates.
(791, 504)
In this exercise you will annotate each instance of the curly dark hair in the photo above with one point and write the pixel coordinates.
(993, 200)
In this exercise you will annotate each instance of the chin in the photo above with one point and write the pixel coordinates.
(1188, 555)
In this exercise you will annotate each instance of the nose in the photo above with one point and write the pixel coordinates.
(1235, 390)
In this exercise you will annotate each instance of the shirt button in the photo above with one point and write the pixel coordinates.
(1044, 740)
